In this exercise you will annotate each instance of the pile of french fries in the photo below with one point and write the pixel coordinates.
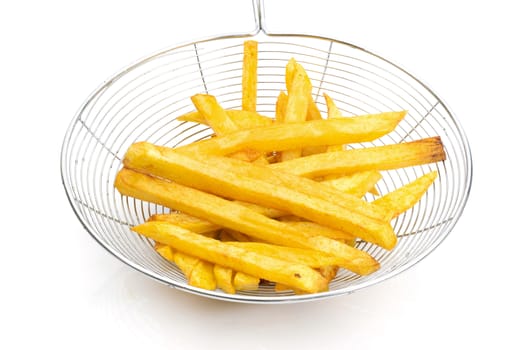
(277, 200)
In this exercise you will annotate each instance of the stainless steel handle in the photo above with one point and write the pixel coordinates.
(259, 16)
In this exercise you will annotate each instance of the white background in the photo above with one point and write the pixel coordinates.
(60, 289)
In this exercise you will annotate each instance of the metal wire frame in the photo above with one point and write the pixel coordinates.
(142, 102)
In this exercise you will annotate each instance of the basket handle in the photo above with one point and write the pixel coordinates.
(259, 16)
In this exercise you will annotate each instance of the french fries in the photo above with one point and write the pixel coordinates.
(299, 94)
(358, 183)
(202, 276)
(280, 107)
(407, 196)
(249, 76)
(236, 217)
(243, 281)
(295, 275)
(332, 112)
(292, 68)
(308, 257)
(243, 119)
(278, 199)
(216, 117)
(224, 278)
(419, 152)
(286, 136)
(363, 222)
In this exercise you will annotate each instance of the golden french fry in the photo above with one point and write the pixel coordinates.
(329, 272)
(243, 281)
(269, 212)
(243, 119)
(408, 195)
(424, 151)
(237, 217)
(313, 229)
(221, 123)
(298, 276)
(216, 117)
(244, 181)
(188, 222)
(224, 277)
(333, 112)
(280, 107)
(299, 95)
(185, 262)
(202, 276)
(249, 76)
(357, 184)
(302, 256)
(310, 229)
(313, 112)
(292, 68)
(164, 250)
(283, 136)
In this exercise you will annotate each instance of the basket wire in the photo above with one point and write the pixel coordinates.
(143, 101)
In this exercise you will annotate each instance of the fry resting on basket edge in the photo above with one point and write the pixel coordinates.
(277, 199)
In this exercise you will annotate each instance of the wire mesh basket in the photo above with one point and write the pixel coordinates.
(142, 103)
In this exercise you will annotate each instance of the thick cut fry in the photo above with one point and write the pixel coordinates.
(280, 107)
(307, 257)
(269, 212)
(224, 277)
(333, 112)
(408, 195)
(188, 222)
(292, 68)
(249, 76)
(237, 217)
(297, 106)
(216, 117)
(313, 229)
(199, 273)
(221, 123)
(202, 276)
(227, 178)
(424, 151)
(284, 136)
(329, 272)
(295, 275)
(313, 112)
(185, 262)
(357, 184)
(243, 281)
(332, 109)
(243, 119)
(164, 250)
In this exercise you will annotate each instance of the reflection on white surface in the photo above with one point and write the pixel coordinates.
(132, 301)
